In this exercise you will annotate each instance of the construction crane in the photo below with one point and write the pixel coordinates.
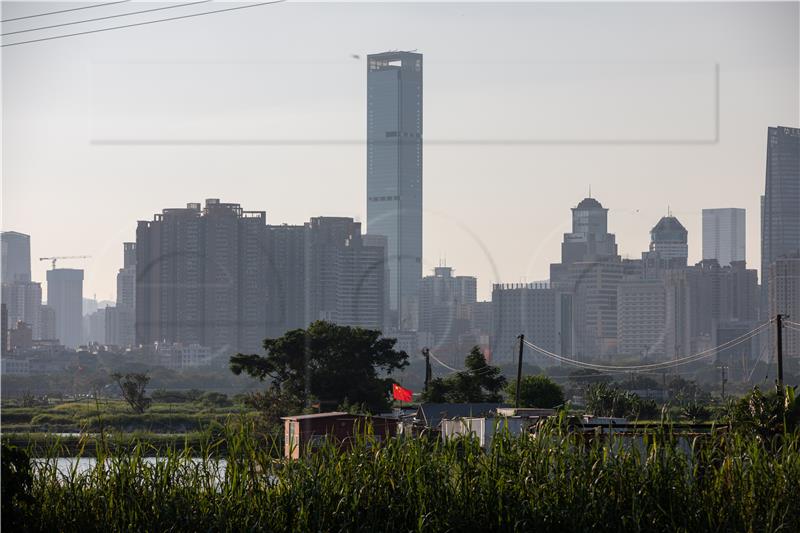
(54, 259)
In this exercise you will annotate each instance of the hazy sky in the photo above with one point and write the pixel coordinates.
(525, 106)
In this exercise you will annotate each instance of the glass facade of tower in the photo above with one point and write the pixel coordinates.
(780, 223)
(394, 172)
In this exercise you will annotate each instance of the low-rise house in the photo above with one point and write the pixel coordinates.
(303, 433)
(429, 416)
(514, 420)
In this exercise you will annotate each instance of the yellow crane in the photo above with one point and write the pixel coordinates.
(54, 259)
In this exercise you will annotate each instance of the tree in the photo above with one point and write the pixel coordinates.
(480, 382)
(602, 400)
(330, 362)
(537, 391)
(132, 387)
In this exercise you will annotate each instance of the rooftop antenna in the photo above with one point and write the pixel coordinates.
(590, 190)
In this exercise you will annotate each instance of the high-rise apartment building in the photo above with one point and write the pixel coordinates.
(23, 300)
(16, 257)
(394, 172)
(325, 270)
(724, 235)
(47, 325)
(780, 217)
(201, 278)
(65, 297)
(346, 274)
(286, 248)
(121, 327)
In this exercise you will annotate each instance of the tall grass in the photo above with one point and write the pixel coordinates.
(558, 481)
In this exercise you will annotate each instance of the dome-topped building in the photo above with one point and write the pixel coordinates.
(669, 239)
(589, 240)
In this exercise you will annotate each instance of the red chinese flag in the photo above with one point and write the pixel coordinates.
(399, 393)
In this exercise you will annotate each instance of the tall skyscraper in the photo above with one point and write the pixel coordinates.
(780, 217)
(201, 276)
(724, 235)
(591, 270)
(65, 296)
(16, 257)
(394, 172)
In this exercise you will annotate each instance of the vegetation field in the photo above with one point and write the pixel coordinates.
(555, 481)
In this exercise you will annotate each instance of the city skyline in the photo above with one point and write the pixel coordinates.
(513, 189)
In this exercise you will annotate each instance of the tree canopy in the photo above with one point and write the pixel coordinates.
(479, 382)
(537, 391)
(335, 364)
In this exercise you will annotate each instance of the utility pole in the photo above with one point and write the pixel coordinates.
(723, 378)
(428, 373)
(519, 369)
(779, 346)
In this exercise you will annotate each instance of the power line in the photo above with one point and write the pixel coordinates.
(144, 23)
(655, 366)
(131, 13)
(65, 10)
(680, 360)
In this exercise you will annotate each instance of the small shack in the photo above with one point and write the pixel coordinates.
(303, 433)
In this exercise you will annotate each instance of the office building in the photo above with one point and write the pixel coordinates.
(589, 239)
(16, 257)
(594, 285)
(784, 298)
(446, 304)
(724, 235)
(201, 277)
(590, 269)
(394, 173)
(65, 297)
(780, 217)
(669, 241)
(641, 319)
(3, 329)
(539, 311)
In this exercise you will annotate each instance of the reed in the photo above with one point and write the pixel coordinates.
(557, 481)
